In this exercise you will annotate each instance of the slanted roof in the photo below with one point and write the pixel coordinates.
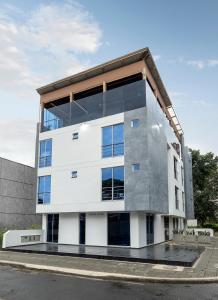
(133, 57)
(142, 54)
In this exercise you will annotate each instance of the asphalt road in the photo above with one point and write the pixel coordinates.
(30, 285)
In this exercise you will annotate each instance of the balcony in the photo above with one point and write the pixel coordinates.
(117, 100)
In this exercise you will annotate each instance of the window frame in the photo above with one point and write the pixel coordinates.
(112, 185)
(183, 201)
(45, 158)
(75, 172)
(136, 122)
(176, 197)
(75, 135)
(112, 145)
(44, 192)
(137, 169)
(175, 167)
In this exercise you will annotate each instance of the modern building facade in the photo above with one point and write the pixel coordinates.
(17, 196)
(112, 166)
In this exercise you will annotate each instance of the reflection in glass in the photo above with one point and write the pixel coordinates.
(44, 189)
(45, 153)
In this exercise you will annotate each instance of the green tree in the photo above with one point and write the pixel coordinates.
(205, 185)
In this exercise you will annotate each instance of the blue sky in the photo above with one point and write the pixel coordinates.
(42, 41)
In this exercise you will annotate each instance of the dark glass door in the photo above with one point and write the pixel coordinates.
(150, 229)
(166, 228)
(52, 228)
(82, 229)
(119, 229)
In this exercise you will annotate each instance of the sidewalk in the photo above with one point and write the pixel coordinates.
(204, 270)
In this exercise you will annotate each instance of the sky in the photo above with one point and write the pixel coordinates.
(43, 41)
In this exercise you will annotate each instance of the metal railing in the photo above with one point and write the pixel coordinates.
(44, 198)
(113, 193)
(125, 98)
(45, 161)
(113, 150)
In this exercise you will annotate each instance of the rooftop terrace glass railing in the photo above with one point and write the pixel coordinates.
(117, 100)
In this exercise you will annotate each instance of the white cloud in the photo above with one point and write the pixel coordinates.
(38, 47)
(46, 44)
(156, 57)
(18, 140)
(201, 64)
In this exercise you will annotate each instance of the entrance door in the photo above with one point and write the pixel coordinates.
(52, 228)
(119, 229)
(166, 228)
(150, 229)
(82, 229)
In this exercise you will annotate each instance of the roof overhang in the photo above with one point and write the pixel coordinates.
(142, 54)
(139, 55)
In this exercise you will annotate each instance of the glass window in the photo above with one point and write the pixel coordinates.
(45, 153)
(51, 121)
(182, 175)
(135, 167)
(113, 183)
(75, 136)
(135, 123)
(177, 197)
(107, 184)
(118, 183)
(118, 138)
(44, 189)
(119, 229)
(107, 142)
(112, 140)
(175, 168)
(183, 201)
(74, 174)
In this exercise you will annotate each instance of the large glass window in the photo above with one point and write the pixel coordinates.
(51, 121)
(45, 153)
(177, 197)
(44, 189)
(175, 168)
(113, 183)
(112, 140)
(119, 229)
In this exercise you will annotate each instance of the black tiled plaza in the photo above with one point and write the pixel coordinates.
(165, 253)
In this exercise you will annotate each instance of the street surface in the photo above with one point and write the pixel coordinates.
(31, 285)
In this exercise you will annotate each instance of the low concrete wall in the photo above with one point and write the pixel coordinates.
(22, 237)
(194, 237)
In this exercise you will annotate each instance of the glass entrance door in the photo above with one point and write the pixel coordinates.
(82, 229)
(150, 229)
(52, 228)
(119, 229)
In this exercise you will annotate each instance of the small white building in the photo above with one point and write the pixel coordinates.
(112, 166)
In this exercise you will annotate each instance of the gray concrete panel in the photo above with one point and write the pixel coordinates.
(147, 189)
(17, 195)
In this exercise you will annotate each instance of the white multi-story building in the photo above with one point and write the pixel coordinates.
(112, 166)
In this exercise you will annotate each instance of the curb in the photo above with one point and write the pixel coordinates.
(107, 276)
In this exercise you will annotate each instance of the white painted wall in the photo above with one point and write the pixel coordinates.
(81, 194)
(138, 237)
(172, 182)
(159, 234)
(96, 229)
(44, 225)
(68, 228)
(13, 237)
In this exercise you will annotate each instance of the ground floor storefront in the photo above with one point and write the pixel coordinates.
(127, 229)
